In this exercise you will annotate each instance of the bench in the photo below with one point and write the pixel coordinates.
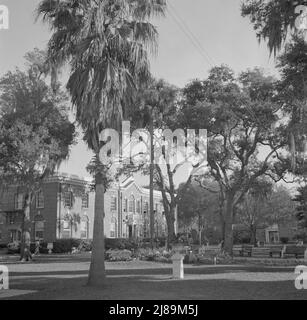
(180, 248)
(261, 252)
(275, 250)
(247, 250)
(237, 250)
(296, 251)
(242, 249)
(210, 251)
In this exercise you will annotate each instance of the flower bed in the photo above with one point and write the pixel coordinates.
(118, 255)
(157, 255)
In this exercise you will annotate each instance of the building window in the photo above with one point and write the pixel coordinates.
(15, 235)
(113, 228)
(84, 228)
(68, 199)
(39, 230)
(126, 205)
(66, 225)
(11, 218)
(146, 207)
(39, 235)
(18, 201)
(131, 204)
(138, 206)
(113, 203)
(85, 201)
(40, 201)
(157, 207)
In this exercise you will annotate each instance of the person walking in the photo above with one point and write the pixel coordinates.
(27, 256)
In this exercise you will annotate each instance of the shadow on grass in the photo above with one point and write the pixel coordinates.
(223, 282)
(197, 270)
(147, 288)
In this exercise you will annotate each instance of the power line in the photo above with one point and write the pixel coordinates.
(190, 38)
(191, 33)
(187, 31)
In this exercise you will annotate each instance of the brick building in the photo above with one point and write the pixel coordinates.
(64, 208)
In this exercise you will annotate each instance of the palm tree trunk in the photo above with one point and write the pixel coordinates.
(97, 275)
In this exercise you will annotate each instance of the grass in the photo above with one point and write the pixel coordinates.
(64, 277)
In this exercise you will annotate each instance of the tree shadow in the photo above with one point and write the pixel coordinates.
(157, 284)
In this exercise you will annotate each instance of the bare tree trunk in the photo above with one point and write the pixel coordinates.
(200, 229)
(97, 275)
(170, 220)
(222, 219)
(253, 233)
(228, 232)
(25, 253)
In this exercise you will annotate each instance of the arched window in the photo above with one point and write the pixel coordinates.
(131, 204)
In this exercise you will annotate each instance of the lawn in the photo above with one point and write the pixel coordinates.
(65, 278)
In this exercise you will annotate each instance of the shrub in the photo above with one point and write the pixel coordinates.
(120, 244)
(118, 255)
(157, 255)
(86, 245)
(241, 237)
(284, 240)
(65, 245)
(190, 258)
(301, 237)
(13, 247)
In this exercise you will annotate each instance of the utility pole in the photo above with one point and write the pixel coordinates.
(151, 198)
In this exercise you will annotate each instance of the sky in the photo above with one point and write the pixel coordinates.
(219, 36)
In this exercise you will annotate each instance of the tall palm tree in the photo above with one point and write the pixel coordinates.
(106, 44)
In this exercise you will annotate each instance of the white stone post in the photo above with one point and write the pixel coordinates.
(178, 271)
(50, 247)
(4, 278)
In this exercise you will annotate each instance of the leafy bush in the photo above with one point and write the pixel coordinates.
(301, 237)
(118, 255)
(13, 247)
(120, 244)
(190, 259)
(86, 245)
(221, 258)
(241, 237)
(65, 245)
(157, 255)
(284, 240)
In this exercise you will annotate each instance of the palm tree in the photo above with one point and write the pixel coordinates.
(106, 44)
